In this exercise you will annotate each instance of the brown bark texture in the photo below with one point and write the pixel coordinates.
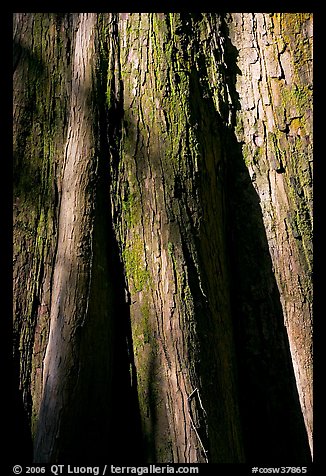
(274, 124)
(163, 236)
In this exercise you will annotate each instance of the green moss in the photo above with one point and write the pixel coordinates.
(170, 249)
(187, 295)
(298, 96)
(302, 96)
(258, 152)
(131, 209)
(247, 154)
(136, 270)
(239, 130)
(277, 155)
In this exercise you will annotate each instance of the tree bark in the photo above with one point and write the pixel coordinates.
(173, 245)
(274, 125)
(162, 236)
(66, 325)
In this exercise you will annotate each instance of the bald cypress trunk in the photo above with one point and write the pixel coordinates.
(63, 286)
(274, 127)
(156, 186)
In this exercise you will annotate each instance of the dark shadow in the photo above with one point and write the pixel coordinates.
(127, 440)
(150, 439)
(272, 419)
(23, 54)
(126, 435)
(21, 444)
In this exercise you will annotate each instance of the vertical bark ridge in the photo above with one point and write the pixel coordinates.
(40, 98)
(77, 361)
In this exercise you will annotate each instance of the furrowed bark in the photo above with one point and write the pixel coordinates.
(77, 363)
(173, 247)
(274, 125)
(40, 99)
(71, 389)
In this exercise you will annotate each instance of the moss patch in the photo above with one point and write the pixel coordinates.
(131, 209)
(136, 269)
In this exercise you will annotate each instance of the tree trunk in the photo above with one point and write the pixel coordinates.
(168, 201)
(162, 236)
(64, 314)
(274, 125)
